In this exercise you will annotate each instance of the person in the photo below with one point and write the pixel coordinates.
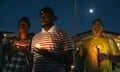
(52, 47)
(99, 52)
(18, 56)
(3, 45)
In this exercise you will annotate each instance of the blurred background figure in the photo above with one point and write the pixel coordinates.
(5, 41)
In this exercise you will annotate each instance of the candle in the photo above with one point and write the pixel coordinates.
(37, 46)
(98, 52)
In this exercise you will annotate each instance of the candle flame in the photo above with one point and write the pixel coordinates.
(37, 46)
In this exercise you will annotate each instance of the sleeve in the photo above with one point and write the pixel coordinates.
(67, 42)
(34, 40)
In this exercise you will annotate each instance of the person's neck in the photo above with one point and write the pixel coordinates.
(48, 27)
(98, 36)
(23, 36)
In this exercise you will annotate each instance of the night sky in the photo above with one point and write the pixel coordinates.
(107, 10)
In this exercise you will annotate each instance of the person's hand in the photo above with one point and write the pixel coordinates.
(36, 49)
(40, 51)
(24, 49)
(103, 57)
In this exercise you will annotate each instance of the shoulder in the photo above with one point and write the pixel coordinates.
(109, 39)
(62, 32)
(86, 42)
(36, 35)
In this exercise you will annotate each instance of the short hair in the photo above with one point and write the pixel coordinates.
(25, 19)
(97, 20)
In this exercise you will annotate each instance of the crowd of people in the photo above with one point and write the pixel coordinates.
(52, 49)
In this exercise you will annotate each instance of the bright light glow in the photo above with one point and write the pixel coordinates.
(4, 35)
(37, 46)
(72, 66)
(118, 44)
(98, 46)
(91, 10)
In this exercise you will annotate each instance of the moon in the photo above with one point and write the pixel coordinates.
(91, 10)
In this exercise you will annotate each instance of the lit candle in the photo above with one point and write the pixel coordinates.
(37, 46)
(98, 52)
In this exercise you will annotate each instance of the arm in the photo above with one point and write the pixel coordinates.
(82, 63)
(65, 57)
(114, 58)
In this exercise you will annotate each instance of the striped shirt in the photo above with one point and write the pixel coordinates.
(57, 41)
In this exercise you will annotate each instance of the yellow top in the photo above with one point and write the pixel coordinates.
(89, 50)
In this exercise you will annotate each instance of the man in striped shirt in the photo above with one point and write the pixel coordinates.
(52, 47)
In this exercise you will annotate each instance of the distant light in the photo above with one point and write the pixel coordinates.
(72, 66)
(91, 10)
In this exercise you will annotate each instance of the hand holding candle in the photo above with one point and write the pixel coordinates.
(37, 46)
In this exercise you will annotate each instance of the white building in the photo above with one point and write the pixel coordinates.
(79, 38)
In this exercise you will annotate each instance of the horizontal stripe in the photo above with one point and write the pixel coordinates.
(58, 41)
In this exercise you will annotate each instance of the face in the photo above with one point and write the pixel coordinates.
(23, 27)
(97, 29)
(46, 20)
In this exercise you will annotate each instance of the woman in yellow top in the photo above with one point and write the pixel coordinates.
(98, 51)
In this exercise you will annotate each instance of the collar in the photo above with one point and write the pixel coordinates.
(97, 37)
(52, 29)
